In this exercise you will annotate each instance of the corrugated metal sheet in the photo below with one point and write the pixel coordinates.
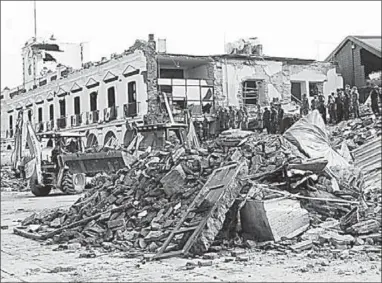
(368, 158)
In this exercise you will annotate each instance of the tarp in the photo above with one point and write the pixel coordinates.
(310, 137)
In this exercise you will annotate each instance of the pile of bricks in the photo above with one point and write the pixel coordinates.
(136, 208)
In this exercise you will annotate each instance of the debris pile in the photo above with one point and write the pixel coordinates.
(177, 200)
(9, 183)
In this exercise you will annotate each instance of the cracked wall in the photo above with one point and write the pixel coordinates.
(276, 79)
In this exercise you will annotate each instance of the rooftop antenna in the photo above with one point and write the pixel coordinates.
(35, 20)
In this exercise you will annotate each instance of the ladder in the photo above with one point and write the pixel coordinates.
(203, 206)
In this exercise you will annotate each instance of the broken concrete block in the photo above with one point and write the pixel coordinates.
(273, 219)
(236, 253)
(74, 246)
(205, 263)
(210, 256)
(229, 259)
(242, 258)
(114, 224)
(301, 246)
(364, 227)
(229, 177)
(174, 181)
(313, 234)
(155, 236)
(337, 239)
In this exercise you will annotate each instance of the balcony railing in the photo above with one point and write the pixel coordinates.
(131, 110)
(61, 123)
(76, 120)
(110, 113)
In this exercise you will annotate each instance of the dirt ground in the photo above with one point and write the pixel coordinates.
(24, 260)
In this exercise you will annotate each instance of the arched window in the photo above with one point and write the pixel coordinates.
(91, 140)
(109, 135)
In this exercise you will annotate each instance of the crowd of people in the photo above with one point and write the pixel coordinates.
(342, 105)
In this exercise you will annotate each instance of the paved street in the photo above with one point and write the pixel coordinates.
(24, 260)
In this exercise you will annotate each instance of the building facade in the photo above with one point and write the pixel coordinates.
(356, 57)
(100, 97)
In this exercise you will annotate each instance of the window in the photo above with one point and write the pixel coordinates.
(1, 96)
(30, 115)
(40, 114)
(251, 92)
(313, 89)
(93, 101)
(53, 78)
(51, 112)
(77, 106)
(111, 97)
(62, 108)
(131, 92)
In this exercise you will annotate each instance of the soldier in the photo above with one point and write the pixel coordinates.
(374, 100)
(331, 108)
(321, 107)
(355, 101)
(305, 105)
(346, 102)
(232, 118)
(280, 117)
(314, 103)
(205, 128)
(273, 119)
(267, 120)
(259, 116)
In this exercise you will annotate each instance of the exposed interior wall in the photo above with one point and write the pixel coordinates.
(276, 78)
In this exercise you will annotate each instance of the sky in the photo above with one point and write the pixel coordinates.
(301, 29)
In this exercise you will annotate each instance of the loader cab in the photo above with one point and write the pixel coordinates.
(156, 135)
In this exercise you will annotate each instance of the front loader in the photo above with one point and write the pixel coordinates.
(63, 163)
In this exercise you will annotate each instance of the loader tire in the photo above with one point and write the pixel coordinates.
(67, 185)
(38, 190)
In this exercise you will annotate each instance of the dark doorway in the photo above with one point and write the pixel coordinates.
(30, 115)
(111, 97)
(296, 91)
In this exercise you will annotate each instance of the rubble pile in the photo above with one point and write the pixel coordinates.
(356, 132)
(303, 203)
(9, 183)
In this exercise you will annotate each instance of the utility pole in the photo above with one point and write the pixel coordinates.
(35, 20)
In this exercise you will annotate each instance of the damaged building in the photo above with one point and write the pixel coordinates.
(60, 92)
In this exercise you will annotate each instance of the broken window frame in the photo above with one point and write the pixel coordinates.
(186, 83)
(250, 90)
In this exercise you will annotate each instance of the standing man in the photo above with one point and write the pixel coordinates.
(346, 102)
(374, 100)
(321, 107)
(259, 116)
(355, 100)
(331, 108)
(339, 106)
(232, 120)
(267, 120)
(280, 117)
(273, 119)
(304, 110)
(226, 119)
(314, 103)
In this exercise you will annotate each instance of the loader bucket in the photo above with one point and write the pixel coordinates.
(97, 162)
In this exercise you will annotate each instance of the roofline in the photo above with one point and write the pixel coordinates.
(356, 40)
